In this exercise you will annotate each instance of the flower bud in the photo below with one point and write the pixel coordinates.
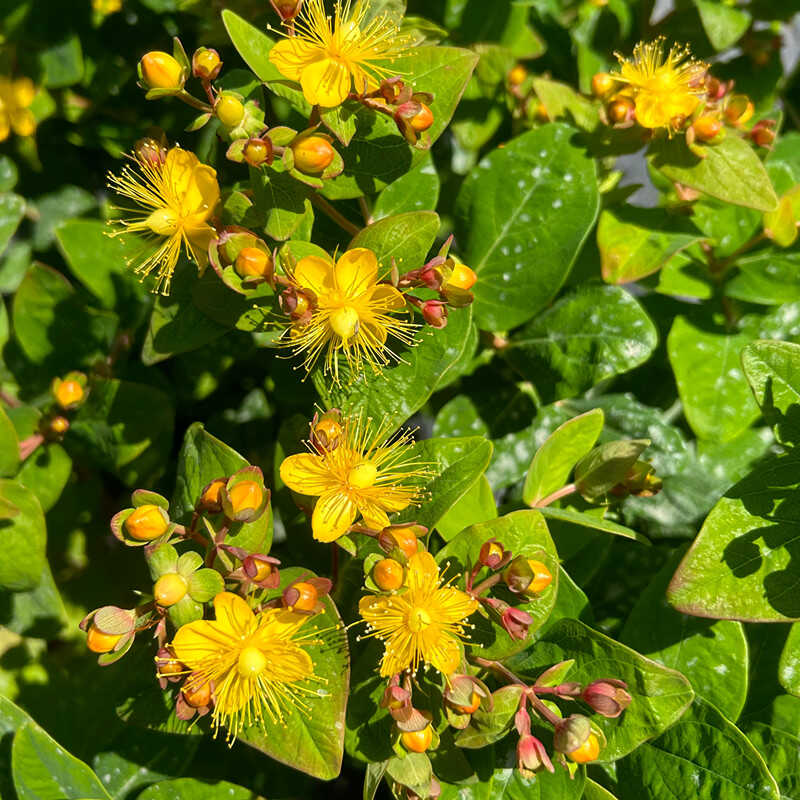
(69, 394)
(417, 741)
(398, 701)
(245, 496)
(287, 9)
(542, 577)
(210, 498)
(196, 694)
(491, 554)
(532, 756)
(147, 522)
(434, 313)
(159, 70)
(462, 277)
(620, 110)
(602, 84)
(170, 589)
(607, 697)
(312, 154)
(99, 642)
(253, 262)
(739, 109)
(167, 666)
(518, 575)
(465, 693)
(571, 733)
(388, 574)
(516, 622)
(301, 596)
(229, 109)
(423, 119)
(587, 752)
(261, 569)
(59, 425)
(404, 537)
(258, 152)
(150, 151)
(327, 430)
(517, 75)
(206, 63)
(707, 127)
(762, 133)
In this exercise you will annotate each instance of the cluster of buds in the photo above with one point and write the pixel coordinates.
(526, 104)
(385, 572)
(527, 578)
(242, 260)
(69, 394)
(409, 109)
(445, 275)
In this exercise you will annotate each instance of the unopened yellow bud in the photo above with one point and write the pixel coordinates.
(462, 277)
(517, 75)
(206, 63)
(388, 574)
(196, 694)
(147, 522)
(542, 577)
(707, 127)
(263, 570)
(423, 119)
(229, 110)
(99, 642)
(170, 589)
(588, 751)
(69, 393)
(59, 425)
(210, 496)
(312, 154)
(602, 84)
(417, 741)
(253, 262)
(245, 496)
(160, 70)
(256, 152)
(406, 540)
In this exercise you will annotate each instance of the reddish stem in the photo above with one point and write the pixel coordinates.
(564, 491)
(29, 445)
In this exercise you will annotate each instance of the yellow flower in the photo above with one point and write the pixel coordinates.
(350, 313)
(663, 88)
(365, 474)
(256, 662)
(329, 54)
(423, 624)
(16, 97)
(177, 196)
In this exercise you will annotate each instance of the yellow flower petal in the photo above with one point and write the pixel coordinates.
(422, 571)
(325, 82)
(445, 655)
(388, 298)
(233, 614)
(307, 474)
(356, 271)
(291, 56)
(315, 273)
(334, 513)
(374, 516)
(200, 640)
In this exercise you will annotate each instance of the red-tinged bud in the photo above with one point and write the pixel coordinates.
(398, 701)
(762, 133)
(327, 430)
(587, 752)
(431, 277)
(715, 89)
(518, 575)
(403, 537)
(297, 304)
(435, 313)
(423, 119)
(492, 554)
(167, 666)
(258, 152)
(532, 756)
(739, 109)
(301, 596)
(516, 622)
(707, 127)
(206, 63)
(620, 110)
(465, 693)
(287, 9)
(260, 568)
(150, 151)
(210, 499)
(571, 733)
(602, 84)
(195, 692)
(607, 697)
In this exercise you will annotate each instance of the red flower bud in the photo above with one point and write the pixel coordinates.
(516, 622)
(435, 313)
(532, 756)
(492, 554)
(607, 697)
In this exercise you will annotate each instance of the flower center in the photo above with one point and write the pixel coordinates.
(363, 475)
(344, 322)
(163, 221)
(418, 619)
(252, 662)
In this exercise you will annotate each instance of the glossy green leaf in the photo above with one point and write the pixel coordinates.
(489, 726)
(417, 190)
(724, 25)
(660, 695)
(703, 756)
(37, 612)
(46, 472)
(592, 522)
(475, 505)
(789, 664)
(768, 277)
(781, 752)
(556, 458)
(531, 203)
(730, 171)
(9, 446)
(586, 337)
(12, 209)
(191, 789)
(24, 536)
(406, 238)
(283, 200)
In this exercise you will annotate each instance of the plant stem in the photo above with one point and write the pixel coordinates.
(194, 102)
(323, 205)
(564, 491)
(486, 584)
(366, 213)
(496, 666)
(29, 445)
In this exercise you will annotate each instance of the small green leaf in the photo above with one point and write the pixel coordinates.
(487, 727)
(724, 24)
(192, 789)
(781, 752)
(789, 664)
(405, 237)
(12, 209)
(600, 471)
(24, 536)
(417, 190)
(413, 770)
(592, 522)
(46, 472)
(476, 505)
(769, 277)
(9, 446)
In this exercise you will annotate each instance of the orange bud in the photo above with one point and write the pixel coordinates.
(423, 119)
(69, 394)
(542, 577)
(206, 63)
(474, 704)
(388, 574)
(147, 522)
(263, 569)
(602, 84)
(99, 642)
(739, 109)
(210, 496)
(620, 110)
(517, 75)
(245, 496)
(417, 741)
(59, 425)
(229, 110)
(462, 277)
(312, 154)
(707, 127)
(307, 599)
(257, 152)
(406, 540)
(196, 695)
(588, 751)
(170, 589)
(160, 70)
(253, 262)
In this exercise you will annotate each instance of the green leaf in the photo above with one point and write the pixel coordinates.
(54, 208)
(730, 171)
(716, 400)
(61, 62)
(742, 563)
(283, 200)
(42, 770)
(781, 752)
(46, 473)
(116, 433)
(724, 24)
(476, 505)
(594, 791)
(38, 612)
(417, 190)
(12, 209)
(523, 533)
(701, 756)
(599, 472)
(555, 459)
(192, 789)
(406, 387)
(660, 695)
(313, 741)
(638, 242)
(773, 371)
(592, 522)
(487, 727)
(24, 536)
(458, 464)
(768, 277)
(253, 45)
(9, 446)
(712, 655)
(533, 202)
(405, 237)
(587, 336)
(100, 261)
(203, 458)
(413, 770)
(561, 100)
(789, 664)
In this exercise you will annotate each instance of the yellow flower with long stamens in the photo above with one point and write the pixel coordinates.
(16, 97)
(368, 473)
(664, 88)
(425, 623)
(256, 662)
(177, 196)
(350, 314)
(329, 55)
